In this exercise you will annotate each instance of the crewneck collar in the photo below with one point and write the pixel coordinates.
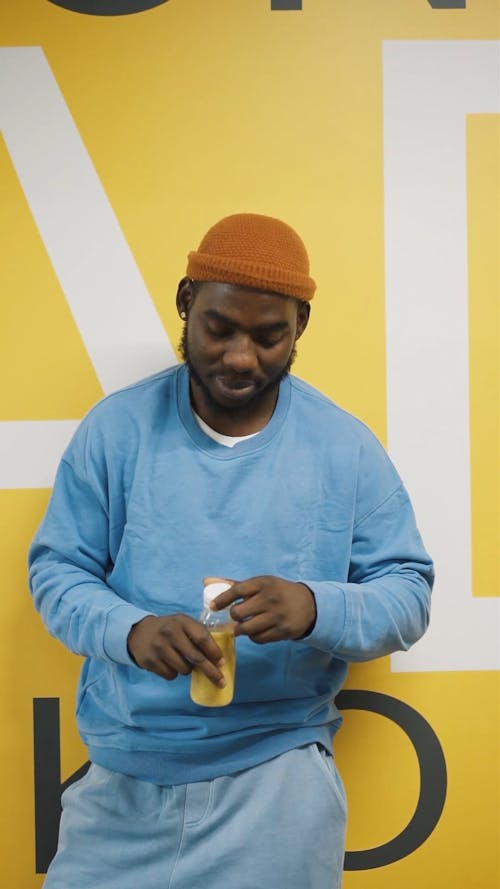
(249, 445)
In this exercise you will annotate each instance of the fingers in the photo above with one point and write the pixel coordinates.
(237, 590)
(260, 629)
(173, 645)
(257, 610)
(269, 609)
(204, 654)
(259, 603)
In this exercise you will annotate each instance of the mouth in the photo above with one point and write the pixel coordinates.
(235, 389)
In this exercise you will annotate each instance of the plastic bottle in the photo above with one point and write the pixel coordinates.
(220, 626)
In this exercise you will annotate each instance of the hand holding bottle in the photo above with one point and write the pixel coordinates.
(173, 644)
(269, 609)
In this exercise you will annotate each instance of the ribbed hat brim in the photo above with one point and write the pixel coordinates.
(262, 276)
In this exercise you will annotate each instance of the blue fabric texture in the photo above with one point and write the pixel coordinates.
(145, 505)
(279, 825)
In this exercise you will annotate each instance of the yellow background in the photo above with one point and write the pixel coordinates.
(191, 111)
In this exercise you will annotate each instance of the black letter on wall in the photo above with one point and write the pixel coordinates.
(107, 7)
(48, 787)
(432, 766)
(447, 4)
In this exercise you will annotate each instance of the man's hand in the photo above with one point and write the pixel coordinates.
(272, 609)
(174, 644)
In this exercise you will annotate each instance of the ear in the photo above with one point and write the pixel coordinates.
(185, 297)
(303, 312)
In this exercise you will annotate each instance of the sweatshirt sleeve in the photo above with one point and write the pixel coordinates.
(384, 605)
(68, 563)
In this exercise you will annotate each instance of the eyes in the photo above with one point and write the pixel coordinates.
(265, 339)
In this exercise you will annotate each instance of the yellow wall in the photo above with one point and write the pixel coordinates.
(188, 112)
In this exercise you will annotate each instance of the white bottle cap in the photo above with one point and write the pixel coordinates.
(213, 589)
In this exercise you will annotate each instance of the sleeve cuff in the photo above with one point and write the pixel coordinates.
(331, 615)
(119, 622)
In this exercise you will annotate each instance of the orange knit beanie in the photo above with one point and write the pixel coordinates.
(256, 251)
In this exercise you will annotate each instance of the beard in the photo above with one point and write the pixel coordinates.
(236, 410)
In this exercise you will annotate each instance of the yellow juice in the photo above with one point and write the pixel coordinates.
(203, 691)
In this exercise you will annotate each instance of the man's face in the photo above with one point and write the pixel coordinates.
(238, 343)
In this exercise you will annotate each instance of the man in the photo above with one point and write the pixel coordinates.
(225, 466)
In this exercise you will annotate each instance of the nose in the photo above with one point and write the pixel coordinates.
(240, 356)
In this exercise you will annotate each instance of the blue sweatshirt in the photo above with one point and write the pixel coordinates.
(145, 505)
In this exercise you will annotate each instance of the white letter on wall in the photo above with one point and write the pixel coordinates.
(429, 87)
(116, 317)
